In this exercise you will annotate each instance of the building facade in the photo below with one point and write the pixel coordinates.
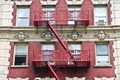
(59, 40)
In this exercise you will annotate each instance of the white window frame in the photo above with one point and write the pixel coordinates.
(19, 17)
(103, 62)
(75, 50)
(47, 48)
(48, 15)
(99, 17)
(75, 53)
(75, 15)
(14, 56)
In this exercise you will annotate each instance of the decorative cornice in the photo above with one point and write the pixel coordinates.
(101, 35)
(74, 35)
(21, 36)
(23, 2)
(47, 35)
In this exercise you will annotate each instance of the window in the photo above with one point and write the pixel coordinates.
(47, 51)
(22, 16)
(100, 15)
(74, 14)
(75, 50)
(20, 54)
(48, 13)
(102, 54)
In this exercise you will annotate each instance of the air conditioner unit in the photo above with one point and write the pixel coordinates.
(101, 22)
(71, 22)
(103, 62)
(37, 78)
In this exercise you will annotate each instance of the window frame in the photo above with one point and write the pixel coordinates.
(73, 13)
(14, 56)
(48, 13)
(47, 57)
(75, 55)
(22, 17)
(103, 17)
(108, 55)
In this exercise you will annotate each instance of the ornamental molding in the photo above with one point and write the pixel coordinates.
(23, 2)
(19, 78)
(48, 35)
(74, 35)
(21, 36)
(104, 78)
(101, 35)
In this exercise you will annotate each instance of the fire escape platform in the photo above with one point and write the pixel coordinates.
(56, 58)
(39, 64)
(80, 22)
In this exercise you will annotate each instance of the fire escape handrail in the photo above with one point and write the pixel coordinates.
(59, 39)
(49, 15)
(50, 67)
(77, 53)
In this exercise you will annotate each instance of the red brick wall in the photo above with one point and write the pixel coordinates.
(61, 14)
(14, 14)
(109, 12)
(89, 73)
(35, 11)
(87, 8)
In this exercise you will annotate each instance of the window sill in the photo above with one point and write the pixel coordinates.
(103, 65)
(19, 66)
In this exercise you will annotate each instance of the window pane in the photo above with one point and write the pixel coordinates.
(47, 55)
(22, 17)
(102, 58)
(75, 47)
(102, 49)
(21, 49)
(100, 14)
(22, 22)
(48, 13)
(74, 13)
(48, 47)
(23, 12)
(102, 54)
(75, 50)
(20, 60)
(100, 11)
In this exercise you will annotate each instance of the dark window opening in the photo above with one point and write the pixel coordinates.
(20, 60)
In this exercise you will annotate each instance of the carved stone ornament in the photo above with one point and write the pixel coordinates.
(74, 35)
(21, 36)
(47, 35)
(101, 35)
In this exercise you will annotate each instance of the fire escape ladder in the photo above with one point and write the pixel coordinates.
(56, 72)
(60, 40)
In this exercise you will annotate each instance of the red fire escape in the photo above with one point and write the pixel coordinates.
(52, 61)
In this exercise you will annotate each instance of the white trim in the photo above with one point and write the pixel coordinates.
(107, 64)
(104, 78)
(14, 66)
(15, 53)
(23, 2)
(22, 16)
(103, 17)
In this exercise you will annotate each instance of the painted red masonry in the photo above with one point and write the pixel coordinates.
(87, 11)
(14, 14)
(60, 13)
(35, 11)
(109, 13)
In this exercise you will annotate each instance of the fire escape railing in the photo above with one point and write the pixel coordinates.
(58, 57)
(74, 16)
(48, 58)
